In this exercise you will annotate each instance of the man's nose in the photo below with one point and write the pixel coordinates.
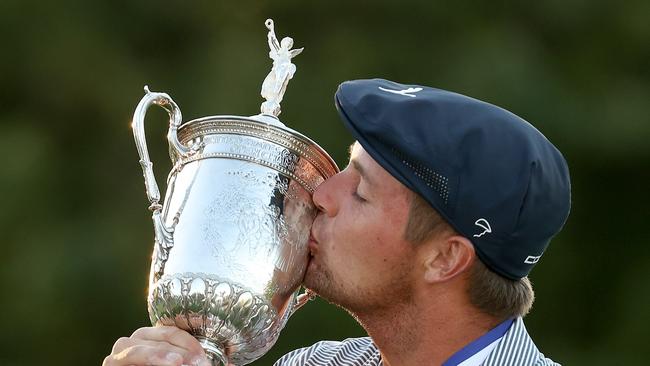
(325, 196)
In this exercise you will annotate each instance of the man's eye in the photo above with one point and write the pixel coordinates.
(358, 197)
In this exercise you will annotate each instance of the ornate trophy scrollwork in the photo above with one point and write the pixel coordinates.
(231, 236)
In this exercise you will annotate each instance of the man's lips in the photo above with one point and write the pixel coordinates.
(313, 244)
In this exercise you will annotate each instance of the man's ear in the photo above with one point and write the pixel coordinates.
(448, 258)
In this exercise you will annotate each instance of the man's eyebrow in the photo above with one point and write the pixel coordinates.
(361, 171)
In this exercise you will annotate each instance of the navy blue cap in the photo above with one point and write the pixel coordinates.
(494, 177)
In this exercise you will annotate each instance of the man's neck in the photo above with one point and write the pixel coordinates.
(409, 335)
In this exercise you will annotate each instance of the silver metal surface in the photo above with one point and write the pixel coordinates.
(231, 236)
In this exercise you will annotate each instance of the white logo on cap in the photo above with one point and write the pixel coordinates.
(532, 259)
(483, 224)
(404, 92)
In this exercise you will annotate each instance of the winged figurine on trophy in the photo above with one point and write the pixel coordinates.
(275, 83)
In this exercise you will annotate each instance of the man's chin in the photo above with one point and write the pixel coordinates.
(309, 281)
(315, 280)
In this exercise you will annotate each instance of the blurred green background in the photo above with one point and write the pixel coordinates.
(76, 235)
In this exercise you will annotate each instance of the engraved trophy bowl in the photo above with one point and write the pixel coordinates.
(231, 235)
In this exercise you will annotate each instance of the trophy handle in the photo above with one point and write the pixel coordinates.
(302, 299)
(163, 235)
(175, 118)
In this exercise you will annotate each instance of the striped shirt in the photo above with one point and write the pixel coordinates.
(515, 348)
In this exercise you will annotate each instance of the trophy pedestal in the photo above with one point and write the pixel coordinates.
(214, 351)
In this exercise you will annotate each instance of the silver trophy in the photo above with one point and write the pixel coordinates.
(231, 235)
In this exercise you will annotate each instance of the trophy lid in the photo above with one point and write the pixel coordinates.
(264, 127)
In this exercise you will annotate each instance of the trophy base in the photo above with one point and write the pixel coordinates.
(214, 351)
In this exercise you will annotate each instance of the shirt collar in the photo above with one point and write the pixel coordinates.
(478, 344)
